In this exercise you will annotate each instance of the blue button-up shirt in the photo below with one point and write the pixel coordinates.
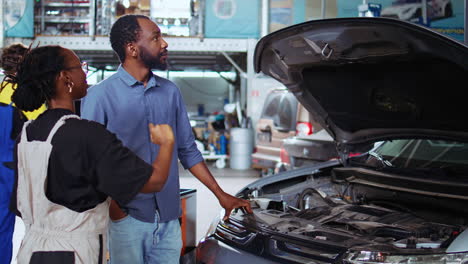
(126, 107)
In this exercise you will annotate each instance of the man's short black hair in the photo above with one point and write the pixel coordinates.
(125, 30)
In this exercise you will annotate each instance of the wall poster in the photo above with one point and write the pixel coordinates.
(444, 16)
(18, 18)
(284, 13)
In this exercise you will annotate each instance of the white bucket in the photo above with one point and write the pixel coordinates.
(240, 148)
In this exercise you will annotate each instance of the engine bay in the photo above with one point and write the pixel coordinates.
(319, 210)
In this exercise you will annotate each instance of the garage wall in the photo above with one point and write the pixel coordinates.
(209, 91)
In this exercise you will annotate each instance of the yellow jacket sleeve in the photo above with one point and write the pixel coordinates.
(5, 97)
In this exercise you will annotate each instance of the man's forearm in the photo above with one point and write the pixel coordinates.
(227, 201)
(203, 174)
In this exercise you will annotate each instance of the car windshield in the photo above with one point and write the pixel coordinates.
(419, 156)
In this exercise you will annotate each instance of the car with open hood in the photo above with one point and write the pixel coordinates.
(389, 83)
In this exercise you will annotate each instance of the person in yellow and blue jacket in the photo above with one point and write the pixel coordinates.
(11, 123)
(11, 55)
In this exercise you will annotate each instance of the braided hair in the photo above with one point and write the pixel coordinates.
(35, 77)
(125, 30)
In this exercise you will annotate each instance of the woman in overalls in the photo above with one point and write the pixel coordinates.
(67, 168)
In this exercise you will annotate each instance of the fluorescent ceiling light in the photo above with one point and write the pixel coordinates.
(196, 74)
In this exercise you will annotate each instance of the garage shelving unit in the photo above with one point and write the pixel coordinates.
(185, 52)
(100, 43)
(72, 17)
(84, 25)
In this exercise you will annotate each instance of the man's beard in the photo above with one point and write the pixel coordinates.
(152, 62)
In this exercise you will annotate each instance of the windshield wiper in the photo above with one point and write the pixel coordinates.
(379, 157)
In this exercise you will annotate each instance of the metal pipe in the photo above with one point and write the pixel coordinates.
(250, 74)
(238, 68)
(93, 22)
(43, 18)
(466, 21)
(324, 9)
(232, 91)
(424, 11)
(265, 17)
(103, 72)
(2, 28)
(201, 19)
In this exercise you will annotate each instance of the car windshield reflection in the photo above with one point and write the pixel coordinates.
(446, 158)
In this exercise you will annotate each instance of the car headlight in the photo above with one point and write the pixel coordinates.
(369, 257)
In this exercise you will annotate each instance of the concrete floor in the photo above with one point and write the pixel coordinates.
(208, 207)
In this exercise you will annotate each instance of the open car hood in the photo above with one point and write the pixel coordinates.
(371, 79)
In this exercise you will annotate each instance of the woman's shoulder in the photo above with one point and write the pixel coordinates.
(88, 125)
(91, 133)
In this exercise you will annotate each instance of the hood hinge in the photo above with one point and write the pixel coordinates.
(342, 152)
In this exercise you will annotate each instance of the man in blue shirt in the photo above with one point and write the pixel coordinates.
(147, 229)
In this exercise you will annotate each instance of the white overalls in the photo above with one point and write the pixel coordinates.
(54, 233)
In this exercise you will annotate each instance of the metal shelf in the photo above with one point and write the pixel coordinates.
(101, 43)
(63, 20)
(184, 53)
(60, 14)
(67, 5)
